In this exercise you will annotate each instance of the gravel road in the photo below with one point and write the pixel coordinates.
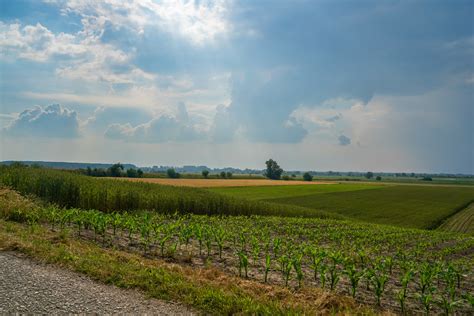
(29, 287)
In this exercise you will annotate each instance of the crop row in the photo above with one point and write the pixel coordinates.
(395, 268)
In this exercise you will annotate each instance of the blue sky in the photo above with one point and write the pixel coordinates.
(316, 85)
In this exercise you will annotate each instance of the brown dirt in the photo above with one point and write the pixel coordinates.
(208, 183)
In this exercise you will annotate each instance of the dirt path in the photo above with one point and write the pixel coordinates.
(29, 287)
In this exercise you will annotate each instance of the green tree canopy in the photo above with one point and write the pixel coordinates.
(273, 170)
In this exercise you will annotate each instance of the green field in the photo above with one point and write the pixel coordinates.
(400, 205)
(270, 192)
(462, 222)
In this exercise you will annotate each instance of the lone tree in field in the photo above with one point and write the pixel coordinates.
(228, 175)
(369, 175)
(273, 170)
(205, 173)
(307, 176)
(223, 174)
(172, 173)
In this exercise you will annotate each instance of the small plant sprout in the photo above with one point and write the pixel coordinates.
(267, 266)
(243, 263)
(296, 262)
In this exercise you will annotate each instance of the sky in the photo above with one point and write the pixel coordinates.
(316, 85)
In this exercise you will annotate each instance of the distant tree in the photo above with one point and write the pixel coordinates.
(412, 175)
(273, 170)
(228, 175)
(223, 174)
(116, 170)
(427, 178)
(18, 164)
(172, 173)
(369, 175)
(140, 173)
(307, 176)
(378, 178)
(286, 177)
(132, 173)
(205, 173)
(293, 175)
(89, 171)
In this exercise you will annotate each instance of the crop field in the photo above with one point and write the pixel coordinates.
(402, 205)
(209, 183)
(285, 241)
(72, 190)
(462, 222)
(266, 192)
(396, 269)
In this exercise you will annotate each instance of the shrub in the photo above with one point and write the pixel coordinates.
(307, 176)
(172, 173)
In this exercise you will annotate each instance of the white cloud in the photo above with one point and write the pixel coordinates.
(164, 128)
(197, 21)
(51, 121)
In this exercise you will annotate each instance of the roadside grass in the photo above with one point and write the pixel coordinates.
(424, 207)
(461, 222)
(267, 192)
(206, 289)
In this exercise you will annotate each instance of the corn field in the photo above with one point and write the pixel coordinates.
(408, 271)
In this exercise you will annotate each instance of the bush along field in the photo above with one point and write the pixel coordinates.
(390, 268)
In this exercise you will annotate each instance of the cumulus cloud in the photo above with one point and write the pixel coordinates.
(51, 121)
(164, 128)
(197, 21)
(86, 56)
(344, 140)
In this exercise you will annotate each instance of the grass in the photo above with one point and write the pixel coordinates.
(461, 222)
(70, 190)
(407, 206)
(267, 192)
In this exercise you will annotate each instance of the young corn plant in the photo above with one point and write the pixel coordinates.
(447, 304)
(220, 236)
(198, 232)
(354, 277)
(268, 263)
(255, 244)
(379, 280)
(296, 262)
(402, 293)
(243, 263)
(285, 268)
(336, 258)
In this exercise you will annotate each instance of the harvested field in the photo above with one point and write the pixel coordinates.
(209, 183)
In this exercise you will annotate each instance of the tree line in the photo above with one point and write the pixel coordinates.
(116, 170)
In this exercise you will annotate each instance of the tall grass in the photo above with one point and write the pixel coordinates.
(73, 190)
